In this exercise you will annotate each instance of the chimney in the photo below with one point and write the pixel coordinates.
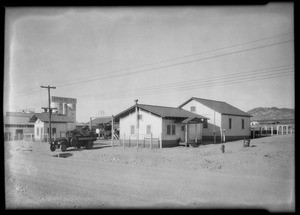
(136, 101)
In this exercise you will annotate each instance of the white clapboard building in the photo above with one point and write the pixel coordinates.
(227, 121)
(166, 126)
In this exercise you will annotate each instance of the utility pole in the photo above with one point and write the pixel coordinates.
(50, 109)
(214, 124)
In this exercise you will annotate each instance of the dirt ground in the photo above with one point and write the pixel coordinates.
(260, 176)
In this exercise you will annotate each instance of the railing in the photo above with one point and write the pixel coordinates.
(134, 140)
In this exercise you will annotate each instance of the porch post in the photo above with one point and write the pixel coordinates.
(272, 130)
(221, 132)
(161, 139)
(196, 132)
(186, 133)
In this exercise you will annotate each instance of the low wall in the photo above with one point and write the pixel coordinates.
(146, 143)
(169, 143)
(141, 144)
(227, 138)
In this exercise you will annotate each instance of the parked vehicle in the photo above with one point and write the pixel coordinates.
(76, 138)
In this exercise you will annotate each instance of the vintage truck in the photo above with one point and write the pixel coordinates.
(76, 138)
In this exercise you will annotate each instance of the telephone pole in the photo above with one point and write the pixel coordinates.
(49, 108)
(214, 124)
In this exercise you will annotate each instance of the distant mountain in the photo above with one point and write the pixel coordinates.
(264, 113)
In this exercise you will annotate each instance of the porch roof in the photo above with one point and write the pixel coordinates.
(162, 111)
(193, 120)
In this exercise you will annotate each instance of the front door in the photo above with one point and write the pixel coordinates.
(182, 133)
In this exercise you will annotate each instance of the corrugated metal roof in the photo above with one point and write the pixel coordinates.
(101, 120)
(19, 114)
(44, 117)
(219, 106)
(17, 120)
(162, 111)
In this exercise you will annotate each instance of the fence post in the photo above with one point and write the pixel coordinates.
(151, 140)
(160, 141)
(260, 128)
(123, 140)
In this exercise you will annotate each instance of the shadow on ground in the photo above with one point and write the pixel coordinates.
(63, 155)
(71, 149)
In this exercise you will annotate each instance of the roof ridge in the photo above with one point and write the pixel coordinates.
(209, 100)
(160, 106)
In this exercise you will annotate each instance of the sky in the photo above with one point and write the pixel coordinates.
(107, 57)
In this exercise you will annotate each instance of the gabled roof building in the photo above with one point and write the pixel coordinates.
(59, 125)
(16, 125)
(166, 126)
(225, 121)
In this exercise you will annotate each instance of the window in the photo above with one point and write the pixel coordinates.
(171, 129)
(230, 123)
(205, 125)
(193, 108)
(37, 131)
(148, 129)
(47, 130)
(140, 116)
(243, 123)
(53, 130)
(182, 128)
(132, 129)
(168, 129)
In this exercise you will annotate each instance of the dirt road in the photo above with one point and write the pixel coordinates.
(105, 177)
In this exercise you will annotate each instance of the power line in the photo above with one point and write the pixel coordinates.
(196, 87)
(171, 59)
(197, 81)
(176, 64)
(72, 81)
(212, 84)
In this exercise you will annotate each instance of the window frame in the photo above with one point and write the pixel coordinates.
(173, 128)
(132, 128)
(147, 129)
(168, 129)
(193, 107)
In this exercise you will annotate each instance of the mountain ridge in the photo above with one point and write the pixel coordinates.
(269, 113)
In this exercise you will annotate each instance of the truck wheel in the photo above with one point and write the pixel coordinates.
(91, 144)
(87, 144)
(63, 147)
(52, 148)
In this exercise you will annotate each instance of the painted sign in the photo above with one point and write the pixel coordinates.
(63, 99)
